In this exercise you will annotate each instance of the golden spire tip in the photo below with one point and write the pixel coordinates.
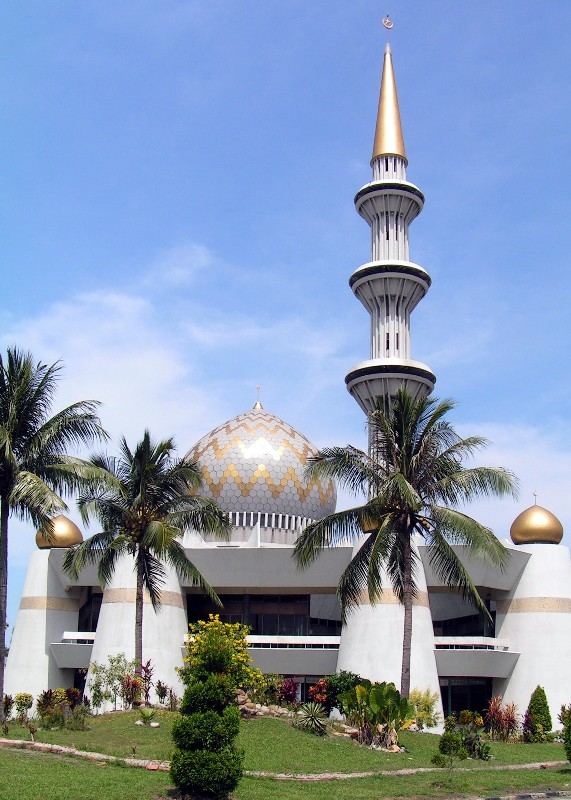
(389, 139)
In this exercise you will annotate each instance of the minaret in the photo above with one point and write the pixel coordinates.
(390, 285)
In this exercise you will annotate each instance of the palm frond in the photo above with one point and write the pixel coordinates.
(176, 557)
(459, 528)
(342, 527)
(448, 567)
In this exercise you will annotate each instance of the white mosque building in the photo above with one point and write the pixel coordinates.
(253, 466)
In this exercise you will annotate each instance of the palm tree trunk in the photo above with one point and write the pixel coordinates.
(139, 618)
(407, 628)
(4, 514)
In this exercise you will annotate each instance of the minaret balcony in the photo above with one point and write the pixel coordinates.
(379, 198)
(376, 380)
(376, 281)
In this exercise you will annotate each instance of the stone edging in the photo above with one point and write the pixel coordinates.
(164, 766)
(58, 749)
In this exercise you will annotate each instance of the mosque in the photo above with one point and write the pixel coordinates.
(253, 466)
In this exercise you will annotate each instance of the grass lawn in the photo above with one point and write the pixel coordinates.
(37, 776)
(272, 745)
(427, 785)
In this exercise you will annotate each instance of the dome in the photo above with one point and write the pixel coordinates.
(536, 525)
(66, 534)
(255, 463)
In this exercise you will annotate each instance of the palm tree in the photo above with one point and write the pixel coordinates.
(415, 480)
(145, 500)
(34, 467)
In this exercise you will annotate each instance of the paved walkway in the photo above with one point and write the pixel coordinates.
(164, 766)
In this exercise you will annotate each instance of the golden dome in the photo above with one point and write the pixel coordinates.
(65, 534)
(536, 525)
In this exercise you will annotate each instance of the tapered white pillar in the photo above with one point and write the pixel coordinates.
(46, 611)
(163, 631)
(371, 639)
(535, 619)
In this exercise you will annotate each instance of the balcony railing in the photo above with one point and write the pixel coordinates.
(300, 642)
(470, 643)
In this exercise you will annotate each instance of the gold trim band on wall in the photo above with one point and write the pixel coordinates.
(49, 604)
(388, 597)
(128, 596)
(530, 605)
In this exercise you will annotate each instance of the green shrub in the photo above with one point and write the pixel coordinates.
(311, 718)
(147, 715)
(564, 715)
(206, 773)
(207, 730)
(567, 738)
(77, 720)
(337, 685)
(214, 693)
(537, 721)
(205, 762)
(7, 705)
(450, 749)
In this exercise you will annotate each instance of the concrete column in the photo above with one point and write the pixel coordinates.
(46, 611)
(535, 618)
(163, 631)
(371, 640)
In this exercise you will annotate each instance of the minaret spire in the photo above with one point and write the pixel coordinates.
(390, 285)
(389, 140)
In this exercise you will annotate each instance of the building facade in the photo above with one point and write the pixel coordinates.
(253, 466)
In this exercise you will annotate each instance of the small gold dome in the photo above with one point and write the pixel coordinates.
(65, 534)
(536, 525)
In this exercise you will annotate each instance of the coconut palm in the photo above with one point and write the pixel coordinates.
(34, 466)
(416, 481)
(145, 500)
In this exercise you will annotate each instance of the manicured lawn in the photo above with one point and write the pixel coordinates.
(36, 776)
(427, 785)
(272, 745)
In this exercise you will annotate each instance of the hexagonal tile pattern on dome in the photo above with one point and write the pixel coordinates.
(255, 462)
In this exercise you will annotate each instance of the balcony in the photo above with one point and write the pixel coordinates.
(295, 655)
(473, 657)
(74, 649)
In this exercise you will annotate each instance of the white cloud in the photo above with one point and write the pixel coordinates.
(179, 266)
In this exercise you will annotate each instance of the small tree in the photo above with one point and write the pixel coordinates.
(450, 750)
(537, 721)
(206, 762)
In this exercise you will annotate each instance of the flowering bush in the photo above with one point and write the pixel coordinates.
(216, 646)
(318, 692)
(24, 701)
(288, 691)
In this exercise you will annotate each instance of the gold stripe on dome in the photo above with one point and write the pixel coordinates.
(531, 605)
(48, 604)
(389, 597)
(220, 450)
(261, 475)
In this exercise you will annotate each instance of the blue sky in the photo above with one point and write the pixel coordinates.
(177, 225)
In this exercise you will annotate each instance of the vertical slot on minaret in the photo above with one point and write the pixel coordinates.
(387, 342)
(387, 225)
